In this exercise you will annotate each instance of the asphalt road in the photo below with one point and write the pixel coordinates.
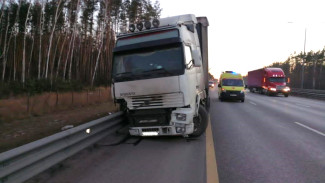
(149, 160)
(269, 139)
(264, 139)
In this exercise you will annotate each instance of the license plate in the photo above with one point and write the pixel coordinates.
(233, 95)
(150, 133)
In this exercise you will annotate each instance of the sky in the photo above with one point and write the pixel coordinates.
(246, 35)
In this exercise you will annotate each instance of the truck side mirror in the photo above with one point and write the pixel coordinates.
(219, 85)
(196, 58)
(245, 86)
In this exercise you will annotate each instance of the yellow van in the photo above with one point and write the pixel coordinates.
(231, 86)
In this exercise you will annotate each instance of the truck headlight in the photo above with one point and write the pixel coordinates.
(134, 131)
(273, 89)
(286, 89)
(180, 117)
(180, 130)
(242, 91)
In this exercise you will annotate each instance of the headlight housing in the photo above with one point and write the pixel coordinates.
(286, 89)
(180, 117)
(272, 89)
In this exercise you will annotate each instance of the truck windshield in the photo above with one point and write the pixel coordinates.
(232, 82)
(277, 80)
(148, 63)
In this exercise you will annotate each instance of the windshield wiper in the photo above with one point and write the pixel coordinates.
(157, 71)
(128, 75)
(123, 73)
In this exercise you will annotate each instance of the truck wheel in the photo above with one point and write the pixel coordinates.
(200, 122)
(286, 95)
(268, 93)
(242, 100)
(261, 92)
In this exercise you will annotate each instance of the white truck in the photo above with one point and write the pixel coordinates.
(160, 76)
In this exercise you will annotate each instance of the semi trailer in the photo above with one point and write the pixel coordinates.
(269, 81)
(160, 76)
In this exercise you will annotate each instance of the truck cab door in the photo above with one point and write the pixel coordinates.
(199, 70)
(191, 73)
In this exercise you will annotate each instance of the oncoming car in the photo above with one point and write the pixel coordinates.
(231, 86)
(211, 84)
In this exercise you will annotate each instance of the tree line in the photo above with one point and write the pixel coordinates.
(313, 69)
(53, 41)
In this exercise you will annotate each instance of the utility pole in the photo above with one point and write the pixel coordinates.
(303, 63)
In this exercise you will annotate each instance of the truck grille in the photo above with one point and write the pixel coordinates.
(150, 130)
(156, 101)
(280, 87)
(149, 117)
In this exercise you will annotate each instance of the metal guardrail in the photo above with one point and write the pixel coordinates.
(318, 94)
(24, 162)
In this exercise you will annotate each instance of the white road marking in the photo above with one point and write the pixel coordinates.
(252, 103)
(311, 129)
(302, 105)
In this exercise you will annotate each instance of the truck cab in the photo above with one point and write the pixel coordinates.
(274, 82)
(160, 76)
(231, 86)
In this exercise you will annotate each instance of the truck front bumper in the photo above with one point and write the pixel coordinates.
(284, 92)
(279, 91)
(162, 130)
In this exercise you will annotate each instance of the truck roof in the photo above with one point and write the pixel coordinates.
(168, 23)
(274, 72)
(274, 69)
(175, 20)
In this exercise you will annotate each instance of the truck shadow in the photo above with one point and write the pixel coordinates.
(172, 138)
(230, 101)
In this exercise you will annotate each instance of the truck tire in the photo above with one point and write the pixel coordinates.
(286, 95)
(261, 91)
(200, 122)
(267, 93)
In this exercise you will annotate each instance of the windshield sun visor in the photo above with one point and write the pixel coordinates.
(147, 40)
(147, 44)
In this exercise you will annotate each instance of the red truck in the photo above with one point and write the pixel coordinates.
(269, 81)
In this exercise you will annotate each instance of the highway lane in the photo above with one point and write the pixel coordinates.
(259, 141)
(309, 111)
